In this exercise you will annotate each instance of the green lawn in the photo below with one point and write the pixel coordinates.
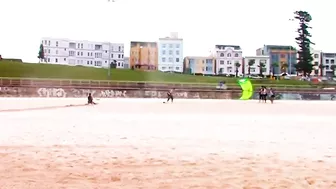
(27, 70)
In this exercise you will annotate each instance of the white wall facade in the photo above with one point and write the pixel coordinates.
(328, 59)
(317, 57)
(83, 53)
(255, 69)
(226, 58)
(170, 55)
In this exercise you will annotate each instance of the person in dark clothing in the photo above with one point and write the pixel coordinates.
(170, 95)
(90, 99)
(271, 92)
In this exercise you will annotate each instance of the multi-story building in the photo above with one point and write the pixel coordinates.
(257, 65)
(328, 60)
(144, 55)
(229, 59)
(199, 65)
(83, 53)
(126, 63)
(282, 58)
(170, 55)
(317, 62)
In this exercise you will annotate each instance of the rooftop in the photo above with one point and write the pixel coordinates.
(235, 47)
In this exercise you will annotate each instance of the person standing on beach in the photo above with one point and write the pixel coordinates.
(272, 95)
(170, 95)
(90, 99)
(264, 94)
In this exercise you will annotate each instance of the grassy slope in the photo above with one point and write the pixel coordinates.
(26, 70)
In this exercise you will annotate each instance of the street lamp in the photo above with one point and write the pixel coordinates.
(290, 52)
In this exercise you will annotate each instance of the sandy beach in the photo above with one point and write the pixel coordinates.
(143, 143)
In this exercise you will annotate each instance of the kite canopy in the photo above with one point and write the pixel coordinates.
(247, 88)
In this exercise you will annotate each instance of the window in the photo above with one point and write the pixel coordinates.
(81, 45)
(56, 51)
(177, 45)
(64, 49)
(45, 42)
(177, 60)
(78, 53)
(170, 59)
(177, 68)
(91, 62)
(122, 56)
(228, 62)
(119, 56)
(236, 54)
(163, 68)
(91, 54)
(48, 50)
(48, 59)
(327, 61)
(170, 52)
(221, 62)
(283, 56)
(111, 55)
(105, 62)
(56, 43)
(163, 52)
(315, 63)
(316, 55)
(177, 52)
(221, 54)
(56, 60)
(118, 63)
(105, 51)
(332, 61)
(78, 45)
(229, 55)
(163, 59)
(49, 43)
(170, 45)
(119, 48)
(88, 62)
(64, 59)
(81, 53)
(163, 45)
(88, 54)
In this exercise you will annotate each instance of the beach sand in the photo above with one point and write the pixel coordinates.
(143, 143)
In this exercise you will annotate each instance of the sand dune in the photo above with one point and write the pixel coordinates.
(215, 145)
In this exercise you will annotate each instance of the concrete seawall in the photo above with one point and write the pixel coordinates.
(106, 89)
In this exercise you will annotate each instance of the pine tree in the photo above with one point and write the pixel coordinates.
(305, 57)
(41, 53)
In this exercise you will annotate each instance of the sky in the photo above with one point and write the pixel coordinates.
(201, 24)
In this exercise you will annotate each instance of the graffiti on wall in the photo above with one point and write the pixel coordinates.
(112, 94)
(163, 94)
(52, 92)
(81, 93)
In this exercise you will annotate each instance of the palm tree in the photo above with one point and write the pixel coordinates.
(321, 67)
(261, 66)
(274, 65)
(237, 65)
(284, 67)
(333, 68)
(250, 63)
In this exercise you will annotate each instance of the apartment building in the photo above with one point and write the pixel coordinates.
(282, 58)
(144, 55)
(83, 53)
(199, 65)
(328, 61)
(256, 65)
(229, 59)
(170, 55)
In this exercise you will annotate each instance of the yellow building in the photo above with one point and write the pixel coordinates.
(144, 55)
(199, 65)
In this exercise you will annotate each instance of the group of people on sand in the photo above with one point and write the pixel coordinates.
(264, 92)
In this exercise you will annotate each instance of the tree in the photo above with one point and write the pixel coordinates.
(41, 54)
(333, 68)
(284, 67)
(274, 65)
(321, 67)
(261, 66)
(250, 63)
(237, 65)
(305, 57)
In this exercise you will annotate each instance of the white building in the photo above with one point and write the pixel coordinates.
(170, 55)
(83, 53)
(229, 59)
(262, 62)
(317, 60)
(328, 60)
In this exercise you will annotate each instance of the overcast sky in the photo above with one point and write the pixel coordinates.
(202, 24)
